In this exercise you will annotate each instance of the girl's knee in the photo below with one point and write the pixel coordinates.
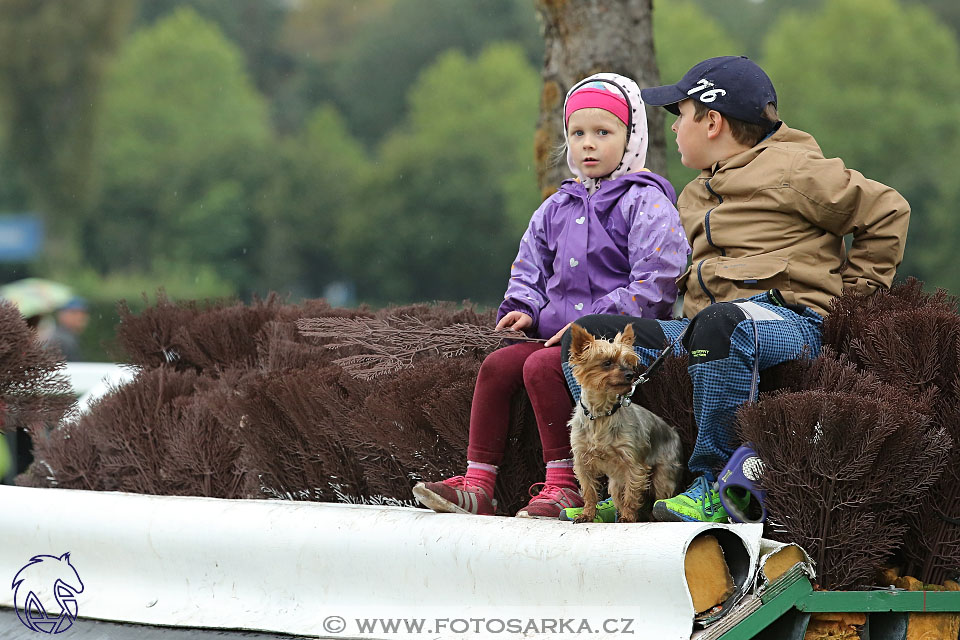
(542, 362)
(504, 362)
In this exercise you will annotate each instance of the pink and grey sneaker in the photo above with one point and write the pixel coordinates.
(550, 502)
(455, 495)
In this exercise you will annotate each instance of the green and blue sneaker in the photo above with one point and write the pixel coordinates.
(699, 503)
(606, 512)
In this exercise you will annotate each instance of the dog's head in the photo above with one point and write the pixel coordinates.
(609, 366)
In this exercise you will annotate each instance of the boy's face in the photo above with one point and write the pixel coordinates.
(597, 140)
(692, 137)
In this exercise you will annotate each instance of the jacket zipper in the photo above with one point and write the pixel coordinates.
(706, 226)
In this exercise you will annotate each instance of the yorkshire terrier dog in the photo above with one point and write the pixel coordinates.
(620, 440)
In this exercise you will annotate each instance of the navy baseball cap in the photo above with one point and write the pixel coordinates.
(733, 85)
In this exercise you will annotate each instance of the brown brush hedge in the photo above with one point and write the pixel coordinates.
(233, 401)
(859, 444)
(34, 391)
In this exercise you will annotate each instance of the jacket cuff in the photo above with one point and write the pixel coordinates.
(511, 304)
(861, 286)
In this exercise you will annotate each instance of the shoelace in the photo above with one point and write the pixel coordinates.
(461, 483)
(549, 491)
(456, 482)
(699, 491)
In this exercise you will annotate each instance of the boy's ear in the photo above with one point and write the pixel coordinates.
(714, 123)
(625, 337)
(580, 342)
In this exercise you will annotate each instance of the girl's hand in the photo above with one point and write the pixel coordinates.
(516, 320)
(556, 337)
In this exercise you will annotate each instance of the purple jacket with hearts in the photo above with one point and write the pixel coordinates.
(618, 250)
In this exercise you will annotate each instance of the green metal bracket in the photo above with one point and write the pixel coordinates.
(794, 591)
(876, 601)
(774, 601)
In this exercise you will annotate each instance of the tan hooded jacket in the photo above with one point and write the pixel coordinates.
(774, 216)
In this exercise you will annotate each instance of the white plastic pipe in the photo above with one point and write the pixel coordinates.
(91, 380)
(353, 571)
(85, 376)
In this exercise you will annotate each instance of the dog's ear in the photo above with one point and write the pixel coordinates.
(625, 337)
(580, 341)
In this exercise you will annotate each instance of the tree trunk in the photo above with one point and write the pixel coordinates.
(584, 37)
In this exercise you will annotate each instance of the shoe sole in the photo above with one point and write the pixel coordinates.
(662, 514)
(524, 514)
(433, 501)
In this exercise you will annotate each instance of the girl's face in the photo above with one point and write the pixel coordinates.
(597, 139)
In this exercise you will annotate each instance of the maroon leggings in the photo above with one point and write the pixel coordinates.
(504, 371)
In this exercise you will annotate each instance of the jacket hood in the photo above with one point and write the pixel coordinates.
(635, 156)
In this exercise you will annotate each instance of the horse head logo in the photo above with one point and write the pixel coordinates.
(43, 582)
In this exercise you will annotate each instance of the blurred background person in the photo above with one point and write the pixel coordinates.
(72, 320)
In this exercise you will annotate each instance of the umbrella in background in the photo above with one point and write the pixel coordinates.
(35, 296)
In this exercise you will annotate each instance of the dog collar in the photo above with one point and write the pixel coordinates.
(593, 416)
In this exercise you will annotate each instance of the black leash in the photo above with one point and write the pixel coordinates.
(644, 377)
(773, 296)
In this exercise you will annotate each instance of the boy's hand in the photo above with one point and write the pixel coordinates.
(557, 336)
(516, 320)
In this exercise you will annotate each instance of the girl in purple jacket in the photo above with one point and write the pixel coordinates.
(608, 242)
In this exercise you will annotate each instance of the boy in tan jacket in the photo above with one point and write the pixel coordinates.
(766, 220)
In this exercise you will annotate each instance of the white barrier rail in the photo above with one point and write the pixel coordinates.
(90, 380)
(356, 571)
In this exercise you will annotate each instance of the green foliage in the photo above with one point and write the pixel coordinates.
(52, 62)
(889, 111)
(747, 20)
(254, 26)
(374, 72)
(312, 189)
(685, 34)
(389, 160)
(13, 193)
(442, 216)
(321, 29)
(947, 11)
(184, 144)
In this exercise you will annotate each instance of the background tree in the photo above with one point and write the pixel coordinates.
(13, 193)
(52, 63)
(312, 189)
(254, 26)
(374, 71)
(246, 149)
(185, 135)
(442, 215)
(744, 20)
(582, 38)
(314, 37)
(947, 11)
